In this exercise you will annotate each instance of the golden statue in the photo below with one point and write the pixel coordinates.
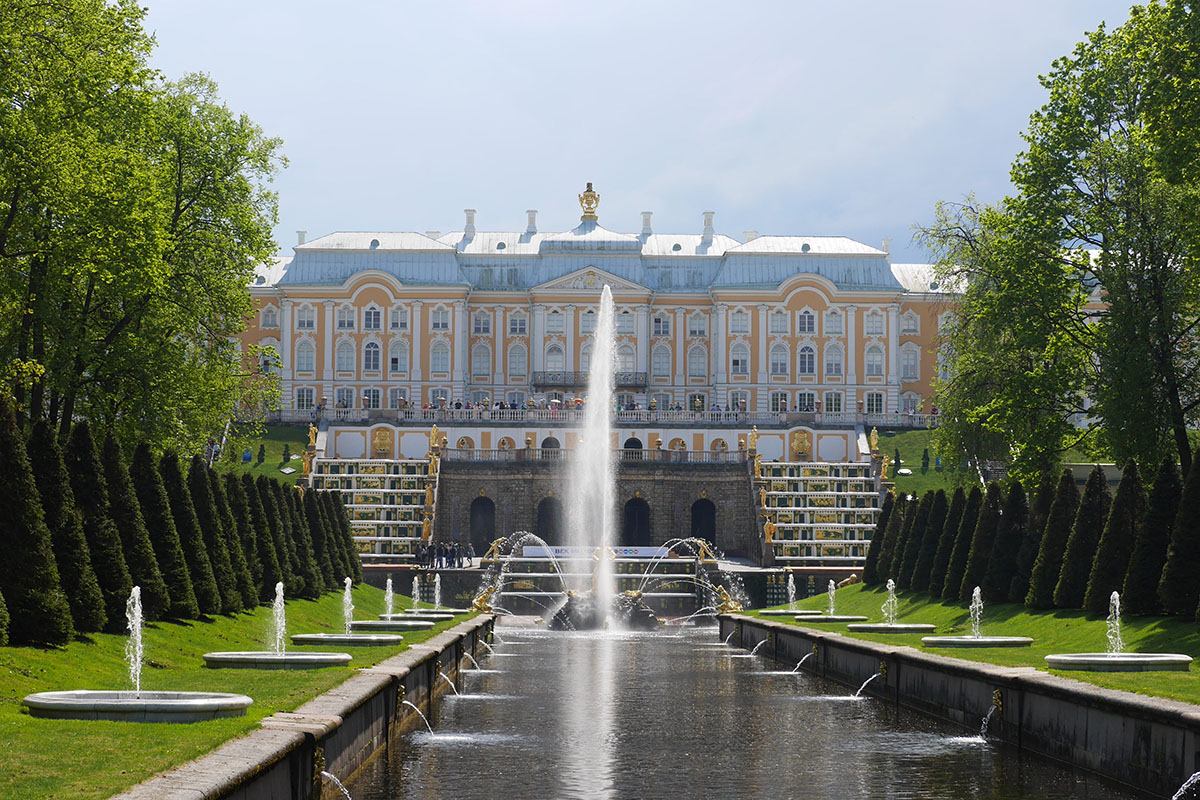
(752, 439)
(874, 440)
(433, 436)
(429, 495)
(493, 553)
(312, 435)
(427, 526)
(588, 202)
(725, 603)
(758, 465)
(769, 528)
(483, 601)
(883, 466)
(762, 496)
(800, 443)
(307, 457)
(382, 442)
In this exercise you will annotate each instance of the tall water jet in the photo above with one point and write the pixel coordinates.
(278, 614)
(1115, 659)
(791, 592)
(437, 591)
(890, 609)
(277, 656)
(1113, 634)
(831, 591)
(389, 599)
(976, 611)
(347, 606)
(133, 645)
(976, 638)
(889, 606)
(416, 590)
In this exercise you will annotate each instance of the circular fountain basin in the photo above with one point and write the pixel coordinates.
(439, 610)
(783, 612)
(133, 707)
(264, 659)
(368, 625)
(976, 641)
(892, 627)
(422, 617)
(348, 639)
(1121, 662)
(830, 618)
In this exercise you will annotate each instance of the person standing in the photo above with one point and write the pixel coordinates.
(470, 555)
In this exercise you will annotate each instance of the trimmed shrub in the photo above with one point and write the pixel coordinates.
(891, 537)
(287, 454)
(1116, 542)
(1081, 544)
(1040, 500)
(310, 579)
(925, 461)
(870, 567)
(278, 540)
(1027, 551)
(1048, 564)
(946, 539)
(160, 525)
(289, 543)
(104, 541)
(233, 543)
(204, 583)
(982, 541)
(262, 456)
(897, 462)
(65, 524)
(214, 538)
(3, 622)
(320, 540)
(930, 542)
(912, 545)
(126, 514)
(337, 551)
(263, 543)
(235, 492)
(343, 520)
(1178, 589)
(36, 606)
(962, 545)
(1140, 592)
(1010, 538)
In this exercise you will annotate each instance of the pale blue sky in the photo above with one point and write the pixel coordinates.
(818, 118)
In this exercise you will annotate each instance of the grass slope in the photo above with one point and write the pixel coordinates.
(79, 759)
(1052, 632)
(911, 444)
(276, 436)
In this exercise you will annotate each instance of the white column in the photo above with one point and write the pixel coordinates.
(461, 335)
(719, 356)
(680, 347)
(498, 348)
(642, 326)
(569, 335)
(762, 348)
(285, 339)
(327, 367)
(417, 343)
(851, 348)
(537, 336)
(893, 347)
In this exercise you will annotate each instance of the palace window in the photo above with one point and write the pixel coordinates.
(779, 360)
(397, 397)
(372, 319)
(587, 323)
(660, 362)
(304, 399)
(439, 357)
(739, 322)
(345, 357)
(306, 318)
(873, 323)
(909, 403)
(910, 363)
(625, 323)
(779, 322)
(739, 401)
(515, 398)
(345, 319)
(662, 325)
(874, 402)
(807, 361)
(518, 361)
(806, 402)
(806, 322)
(554, 359)
(481, 324)
(661, 401)
(833, 402)
(739, 360)
(833, 323)
(697, 325)
(585, 357)
(481, 362)
(833, 361)
(371, 357)
(306, 356)
(439, 319)
(398, 358)
(779, 402)
(270, 318)
(625, 358)
(697, 363)
(399, 319)
(554, 322)
(371, 398)
(874, 362)
(344, 398)
(516, 325)
(910, 323)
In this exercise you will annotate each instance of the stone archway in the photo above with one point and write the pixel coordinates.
(704, 520)
(548, 525)
(632, 443)
(635, 524)
(550, 443)
(483, 524)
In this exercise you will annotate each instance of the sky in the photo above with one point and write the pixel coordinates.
(794, 117)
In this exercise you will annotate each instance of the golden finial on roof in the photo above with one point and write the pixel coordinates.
(588, 202)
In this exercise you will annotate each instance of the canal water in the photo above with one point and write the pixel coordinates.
(674, 714)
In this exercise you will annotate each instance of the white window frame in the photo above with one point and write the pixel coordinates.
(517, 325)
(481, 362)
(343, 354)
(873, 323)
(833, 403)
(306, 357)
(806, 322)
(269, 318)
(873, 359)
(779, 361)
(398, 358)
(439, 358)
(806, 360)
(372, 318)
(556, 360)
(697, 363)
(874, 402)
(910, 323)
(554, 322)
(305, 398)
(481, 323)
(835, 323)
(739, 321)
(587, 323)
(306, 318)
(739, 359)
(625, 323)
(344, 318)
(518, 361)
(398, 319)
(835, 361)
(660, 325)
(778, 322)
(698, 326)
(660, 361)
(626, 358)
(372, 357)
(439, 319)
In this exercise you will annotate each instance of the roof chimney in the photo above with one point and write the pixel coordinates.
(708, 226)
(646, 229)
(532, 226)
(300, 236)
(469, 228)
(749, 235)
(887, 245)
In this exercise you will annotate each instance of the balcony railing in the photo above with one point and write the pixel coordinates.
(623, 380)
(626, 456)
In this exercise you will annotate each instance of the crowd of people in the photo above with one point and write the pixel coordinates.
(445, 555)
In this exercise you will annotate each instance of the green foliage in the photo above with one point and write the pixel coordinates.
(930, 541)
(311, 583)
(3, 621)
(208, 518)
(36, 604)
(239, 507)
(264, 544)
(925, 461)
(287, 454)
(335, 514)
(126, 513)
(1010, 538)
(104, 541)
(289, 543)
(1139, 594)
(982, 541)
(262, 453)
(913, 542)
(1081, 543)
(276, 535)
(962, 545)
(160, 524)
(1049, 562)
(871, 566)
(1179, 589)
(946, 540)
(65, 523)
(208, 595)
(1116, 542)
(233, 543)
(320, 539)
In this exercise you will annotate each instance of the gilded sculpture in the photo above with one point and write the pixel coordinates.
(752, 439)
(312, 435)
(382, 441)
(588, 202)
(434, 435)
(800, 443)
(874, 440)
(883, 466)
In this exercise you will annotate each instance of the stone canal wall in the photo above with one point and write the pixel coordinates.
(337, 732)
(1147, 743)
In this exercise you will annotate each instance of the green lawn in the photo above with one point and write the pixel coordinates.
(911, 444)
(1052, 632)
(42, 758)
(295, 436)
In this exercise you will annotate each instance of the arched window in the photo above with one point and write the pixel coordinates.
(660, 362)
(587, 323)
(697, 364)
(833, 361)
(306, 357)
(371, 357)
(270, 318)
(585, 357)
(554, 359)
(739, 360)
(833, 323)
(439, 357)
(779, 322)
(874, 362)
(739, 322)
(371, 319)
(345, 357)
(910, 362)
(873, 323)
(807, 361)
(910, 323)
(625, 357)
(481, 362)
(806, 401)
(779, 360)
(518, 361)
(306, 318)
(806, 323)
(398, 357)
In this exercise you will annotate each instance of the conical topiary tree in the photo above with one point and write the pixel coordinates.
(1018, 585)
(1140, 592)
(912, 545)
(870, 567)
(35, 604)
(65, 523)
(3, 622)
(1081, 544)
(945, 548)
(334, 510)
(1178, 588)
(337, 553)
(962, 545)
(204, 583)
(1116, 542)
(233, 542)
(264, 544)
(310, 580)
(930, 542)
(1048, 564)
(910, 519)
(316, 529)
(104, 541)
(891, 537)
(266, 496)
(289, 543)
(126, 514)
(981, 542)
(343, 520)
(235, 492)
(160, 525)
(1010, 536)
(1040, 500)
(214, 539)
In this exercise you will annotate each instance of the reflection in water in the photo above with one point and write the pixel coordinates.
(654, 715)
